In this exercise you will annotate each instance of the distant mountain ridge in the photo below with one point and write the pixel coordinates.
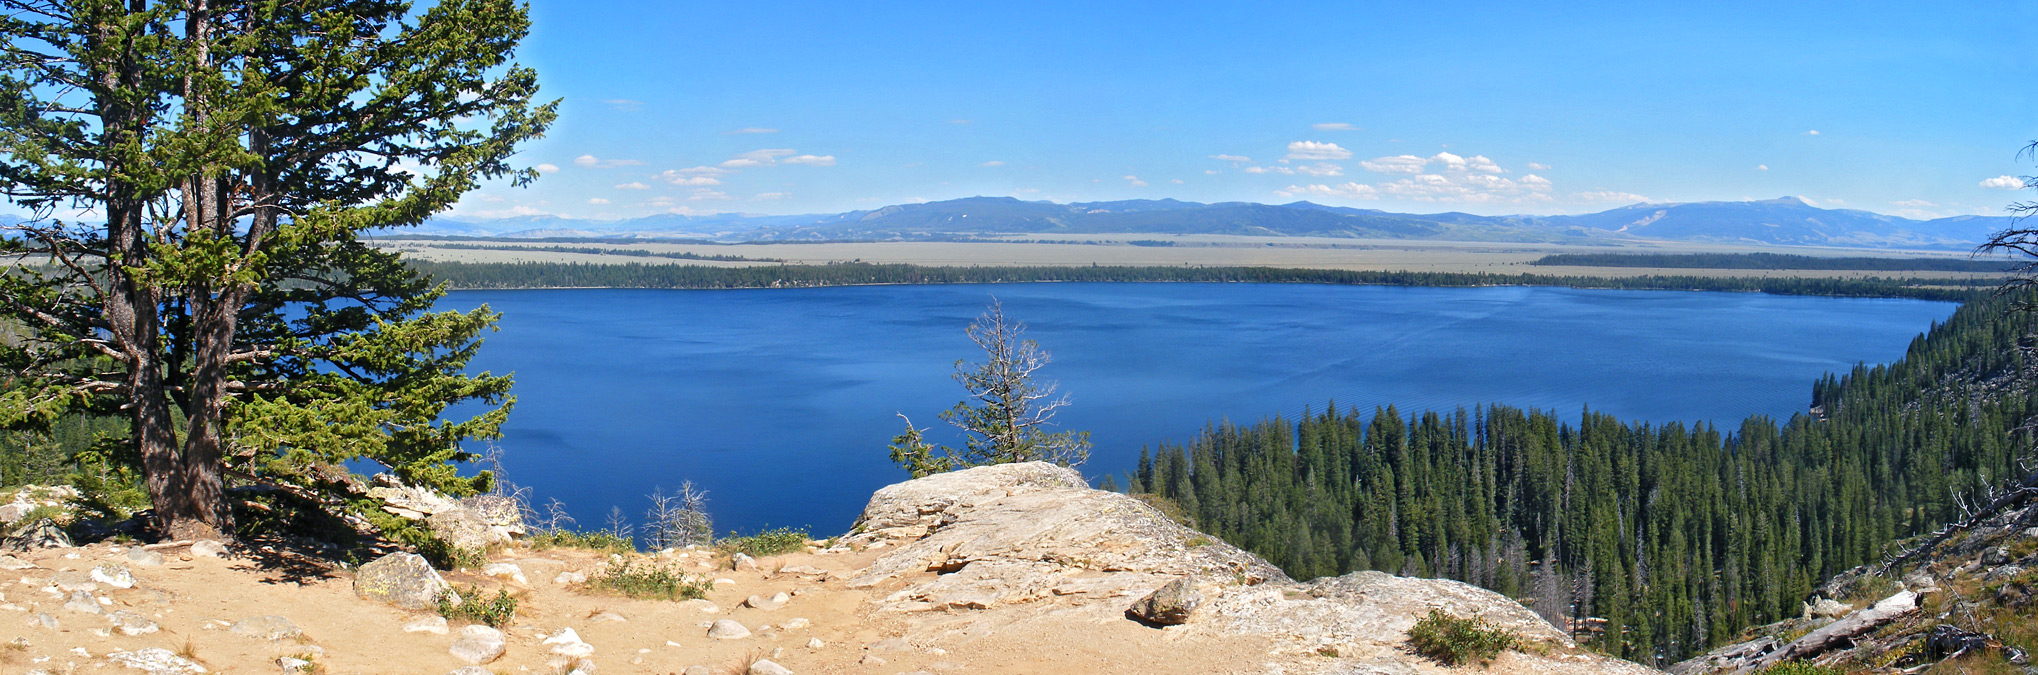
(1785, 221)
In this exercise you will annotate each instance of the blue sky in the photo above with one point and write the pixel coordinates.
(781, 108)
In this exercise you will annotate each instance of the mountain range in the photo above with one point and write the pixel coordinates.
(1787, 221)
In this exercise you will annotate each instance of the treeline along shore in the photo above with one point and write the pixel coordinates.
(1772, 261)
(515, 275)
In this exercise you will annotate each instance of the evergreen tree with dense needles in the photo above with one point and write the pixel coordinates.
(223, 158)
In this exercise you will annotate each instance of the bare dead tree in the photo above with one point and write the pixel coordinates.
(678, 519)
(2019, 240)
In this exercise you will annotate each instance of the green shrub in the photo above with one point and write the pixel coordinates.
(1453, 641)
(636, 579)
(769, 542)
(496, 611)
(605, 542)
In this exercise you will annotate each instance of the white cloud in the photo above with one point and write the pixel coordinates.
(1313, 150)
(699, 175)
(812, 160)
(1235, 159)
(992, 163)
(707, 193)
(767, 196)
(2003, 183)
(633, 185)
(1538, 166)
(750, 130)
(1468, 187)
(765, 157)
(592, 162)
(1176, 181)
(597, 201)
(1321, 169)
(1135, 181)
(1342, 191)
(1761, 167)
(1270, 169)
(1911, 203)
(624, 104)
(1211, 172)
(547, 168)
(1481, 164)
(1813, 132)
(1533, 179)
(1395, 164)
(1609, 196)
(1333, 126)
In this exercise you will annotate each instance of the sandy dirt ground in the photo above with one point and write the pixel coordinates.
(195, 601)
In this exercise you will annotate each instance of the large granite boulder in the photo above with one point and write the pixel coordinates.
(402, 579)
(463, 528)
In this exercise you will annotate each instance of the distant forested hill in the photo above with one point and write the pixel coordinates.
(1785, 221)
(1678, 536)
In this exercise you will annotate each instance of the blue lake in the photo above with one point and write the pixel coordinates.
(781, 402)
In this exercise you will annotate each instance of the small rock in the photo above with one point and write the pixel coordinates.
(815, 643)
(464, 528)
(113, 575)
(83, 603)
(701, 606)
(71, 581)
(1995, 556)
(2031, 532)
(697, 670)
(131, 622)
(1169, 605)
(756, 602)
(207, 548)
(471, 670)
(478, 645)
(725, 629)
(582, 667)
(796, 624)
(292, 664)
(570, 578)
(766, 667)
(1826, 608)
(8, 562)
(742, 562)
(267, 627)
(156, 661)
(435, 625)
(872, 660)
(44, 533)
(600, 617)
(803, 570)
(890, 645)
(568, 643)
(43, 619)
(141, 557)
(401, 579)
(507, 571)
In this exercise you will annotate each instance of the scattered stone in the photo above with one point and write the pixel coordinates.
(478, 645)
(872, 660)
(742, 562)
(815, 643)
(755, 602)
(506, 571)
(471, 670)
(266, 627)
(83, 603)
(401, 579)
(292, 664)
(113, 575)
(570, 578)
(1169, 605)
(131, 622)
(568, 643)
(890, 645)
(43, 619)
(141, 557)
(463, 528)
(725, 629)
(600, 617)
(2031, 532)
(207, 548)
(804, 571)
(766, 667)
(724, 580)
(499, 512)
(156, 661)
(697, 670)
(8, 562)
(435, 625)
(701, 606)
(582, 667)
(796, 624)
(43, 533)
(1826, 608)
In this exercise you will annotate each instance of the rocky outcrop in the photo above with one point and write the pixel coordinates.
(402, 579)
(991, 546)
(28, 498)
(473, 522)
